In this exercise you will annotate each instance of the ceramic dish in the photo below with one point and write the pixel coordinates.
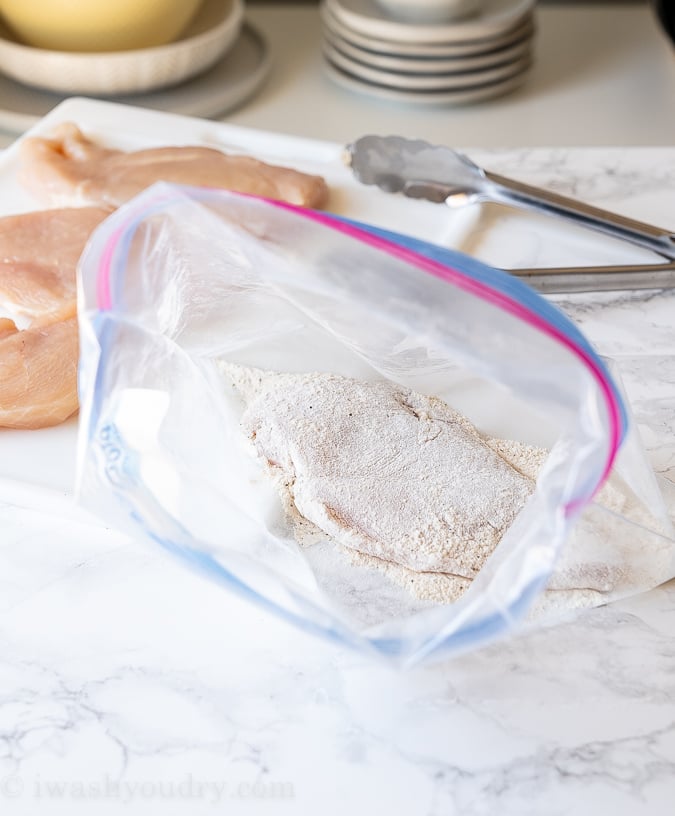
(212, 32)
(522, 28)
(462, 96)
(41, 463)
(425, 82)
(45, 458)
(224, 86)
(366, 17)
(429, 65)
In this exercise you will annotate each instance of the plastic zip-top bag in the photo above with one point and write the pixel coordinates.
(381, 440)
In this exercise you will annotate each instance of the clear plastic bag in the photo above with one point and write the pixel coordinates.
(180, 278)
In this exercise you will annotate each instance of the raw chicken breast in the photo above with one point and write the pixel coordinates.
(70, 169)
(380, 468)
(39, 252)
(38, 372)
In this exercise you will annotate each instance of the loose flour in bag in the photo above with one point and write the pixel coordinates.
(401, 482)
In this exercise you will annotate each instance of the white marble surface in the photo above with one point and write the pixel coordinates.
(130, 685)
(127, 683)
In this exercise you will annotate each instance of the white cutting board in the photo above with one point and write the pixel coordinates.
(45, 459)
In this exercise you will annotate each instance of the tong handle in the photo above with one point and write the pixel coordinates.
(598, 278)
(509, 191)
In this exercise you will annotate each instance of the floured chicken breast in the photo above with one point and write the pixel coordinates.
(406, 486)
(38, 372)
(381, 469)
(39, 252)
(71, 170)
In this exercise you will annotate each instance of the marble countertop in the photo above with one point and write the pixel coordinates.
(125, 680)
(130, 684)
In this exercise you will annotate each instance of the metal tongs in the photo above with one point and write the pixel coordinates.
(442, 175)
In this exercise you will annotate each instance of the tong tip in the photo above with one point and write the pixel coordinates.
(347, 154)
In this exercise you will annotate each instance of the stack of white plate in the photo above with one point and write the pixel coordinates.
(479, 57)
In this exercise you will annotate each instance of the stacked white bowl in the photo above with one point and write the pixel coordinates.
(429, 51)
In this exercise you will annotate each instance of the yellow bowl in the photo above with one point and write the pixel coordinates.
(211, 33)
(97, 25)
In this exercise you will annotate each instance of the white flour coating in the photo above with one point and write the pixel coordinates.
(603, 552)
(381, 469)
(581, 578)
(375, 467)
(439, 587)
